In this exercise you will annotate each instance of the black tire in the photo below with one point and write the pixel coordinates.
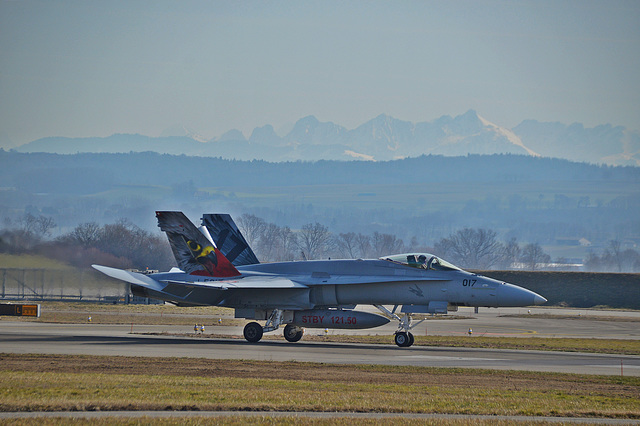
(402, 339)
(253, 332)
(411, 339)
(292, 333)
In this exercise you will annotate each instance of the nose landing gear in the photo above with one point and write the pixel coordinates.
(403, 337)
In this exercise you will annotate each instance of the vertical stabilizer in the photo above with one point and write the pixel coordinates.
(206, 234)
(195, 254)
(229, 239)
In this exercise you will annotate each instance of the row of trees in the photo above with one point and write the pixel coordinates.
(480, 249)
(313, 241)
(469, 248)
(613, 259)
(126, 245)
(121, 244)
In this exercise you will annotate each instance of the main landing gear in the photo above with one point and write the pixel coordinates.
(253, 331)
(293, 333)
(403, 337)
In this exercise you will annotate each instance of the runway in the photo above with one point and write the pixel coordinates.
(94, 339)
(524, 322)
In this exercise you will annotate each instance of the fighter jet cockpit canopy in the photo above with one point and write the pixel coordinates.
(422, 261)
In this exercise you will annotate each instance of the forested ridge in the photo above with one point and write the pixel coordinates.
(82, 173)
(573, 210)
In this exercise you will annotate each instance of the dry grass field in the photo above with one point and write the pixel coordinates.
(106, 383)
(69, 383)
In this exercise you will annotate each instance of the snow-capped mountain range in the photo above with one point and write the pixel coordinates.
(379, 139)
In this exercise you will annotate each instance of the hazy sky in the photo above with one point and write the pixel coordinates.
(94, 68)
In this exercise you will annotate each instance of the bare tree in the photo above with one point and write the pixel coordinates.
(28, 223)
(27, 236)
(614, 252)
(385, 244)
(122, 244)
(511, 254)
(346, 245)
(472, 248)
(44, 225)
(251, 227)
(267, 242)
(285, 244)
(613, 259)
(533, 255)
(313, 239)
(363, 243)
(85, 234)
(126, 240)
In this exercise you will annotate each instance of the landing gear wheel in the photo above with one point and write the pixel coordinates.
(253, 332)
(402, 339)
(411, 339)
(293, 333)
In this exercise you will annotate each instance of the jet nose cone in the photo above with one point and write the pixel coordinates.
(512, 295)
(539, 300)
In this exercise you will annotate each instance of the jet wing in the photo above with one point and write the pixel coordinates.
(252, 282)
(243, 283)
(130, 277)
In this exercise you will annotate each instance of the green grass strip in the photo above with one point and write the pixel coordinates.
(198, 384)
(20, 391)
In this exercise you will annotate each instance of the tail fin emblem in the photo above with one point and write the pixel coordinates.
(204, 256)
(194, 252)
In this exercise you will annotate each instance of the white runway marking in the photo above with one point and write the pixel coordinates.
(617, 366)
(449, 358)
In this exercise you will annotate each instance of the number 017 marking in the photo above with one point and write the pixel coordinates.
(468, 283)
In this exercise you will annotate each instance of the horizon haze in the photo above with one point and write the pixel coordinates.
(85, 69)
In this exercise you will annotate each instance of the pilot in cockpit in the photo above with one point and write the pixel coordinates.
(411, 261)
(415, 261)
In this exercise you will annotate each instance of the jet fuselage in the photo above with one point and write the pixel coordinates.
(351, 282)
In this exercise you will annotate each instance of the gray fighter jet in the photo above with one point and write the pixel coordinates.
(311, 294)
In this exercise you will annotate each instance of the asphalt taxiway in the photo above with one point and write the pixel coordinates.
(96, 339)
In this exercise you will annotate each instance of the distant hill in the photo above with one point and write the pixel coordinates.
(533, 199)
(90, 173)
(379, 139)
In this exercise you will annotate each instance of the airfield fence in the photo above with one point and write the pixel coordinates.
(63, 285)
